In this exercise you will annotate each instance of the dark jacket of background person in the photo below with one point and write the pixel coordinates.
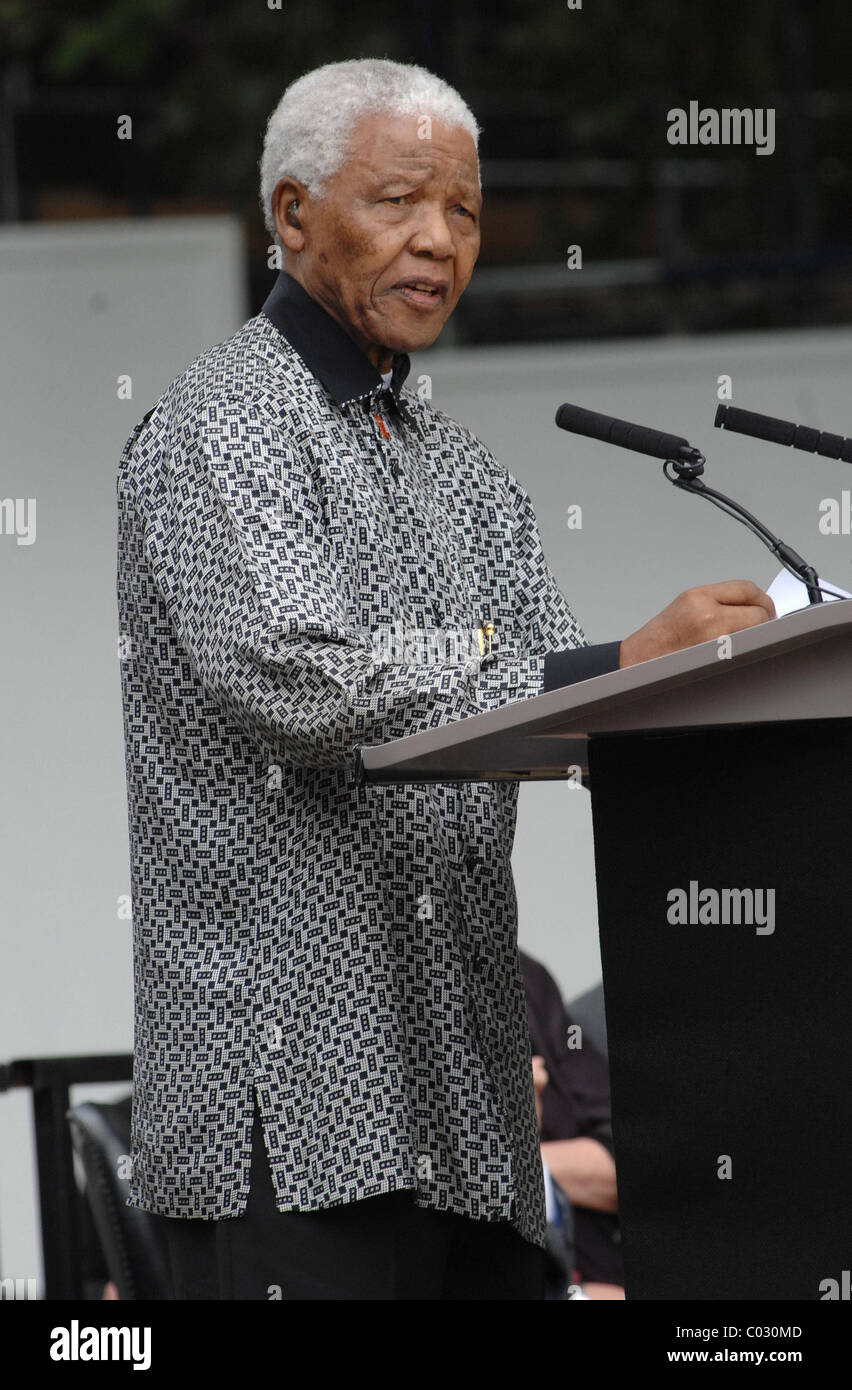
(576, 1101)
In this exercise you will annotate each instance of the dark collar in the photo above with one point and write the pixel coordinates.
(326, 348)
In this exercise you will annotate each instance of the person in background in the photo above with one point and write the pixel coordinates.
(573, 1102)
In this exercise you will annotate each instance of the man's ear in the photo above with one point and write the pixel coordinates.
(289, 198)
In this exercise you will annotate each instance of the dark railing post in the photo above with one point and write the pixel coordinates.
(57, 1188)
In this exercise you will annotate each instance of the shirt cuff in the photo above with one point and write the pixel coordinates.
(580, 664)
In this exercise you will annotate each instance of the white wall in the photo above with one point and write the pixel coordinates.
(80, 305)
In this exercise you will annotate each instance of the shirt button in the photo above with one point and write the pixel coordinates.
(471, 860)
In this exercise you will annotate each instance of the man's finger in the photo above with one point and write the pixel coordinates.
(741, 593)
(750, 616)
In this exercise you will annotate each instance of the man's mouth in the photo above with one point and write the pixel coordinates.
(423, 293)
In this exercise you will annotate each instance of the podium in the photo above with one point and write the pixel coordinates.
(721, 785)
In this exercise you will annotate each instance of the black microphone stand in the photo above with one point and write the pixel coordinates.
(689, 466)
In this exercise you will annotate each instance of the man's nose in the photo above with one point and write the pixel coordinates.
(432, 232)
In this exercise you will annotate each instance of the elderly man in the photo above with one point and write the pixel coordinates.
(332, 1085)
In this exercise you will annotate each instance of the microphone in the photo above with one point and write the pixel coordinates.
(627, 436)
(830, 446)
(684, 465)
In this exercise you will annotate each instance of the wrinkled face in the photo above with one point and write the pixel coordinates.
(391, 244)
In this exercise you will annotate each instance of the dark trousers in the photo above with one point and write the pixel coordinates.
(379, 1248)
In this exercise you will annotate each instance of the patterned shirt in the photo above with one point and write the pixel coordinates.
(295, 580)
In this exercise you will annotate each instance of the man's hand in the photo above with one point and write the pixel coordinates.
(698, 615)
(585, 1170)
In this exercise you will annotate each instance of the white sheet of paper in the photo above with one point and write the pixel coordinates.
(789, 593)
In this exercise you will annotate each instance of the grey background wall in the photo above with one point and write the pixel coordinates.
(83, 304)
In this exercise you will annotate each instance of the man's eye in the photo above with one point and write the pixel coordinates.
(467, 212)
(397, 198)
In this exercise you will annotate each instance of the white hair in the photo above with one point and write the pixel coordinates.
(308, 133)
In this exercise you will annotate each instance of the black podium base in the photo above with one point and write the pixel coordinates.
(729, 1013)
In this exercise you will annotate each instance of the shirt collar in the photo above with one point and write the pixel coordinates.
(325, 347)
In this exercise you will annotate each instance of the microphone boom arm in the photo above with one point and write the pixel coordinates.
(688, 478)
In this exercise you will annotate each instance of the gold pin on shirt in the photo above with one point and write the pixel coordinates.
(487, 630)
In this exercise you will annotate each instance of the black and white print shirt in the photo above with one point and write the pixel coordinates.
(304, 557)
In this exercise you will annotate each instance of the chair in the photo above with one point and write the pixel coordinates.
(133, 1244)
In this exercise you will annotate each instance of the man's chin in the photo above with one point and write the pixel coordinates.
(400, 337)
